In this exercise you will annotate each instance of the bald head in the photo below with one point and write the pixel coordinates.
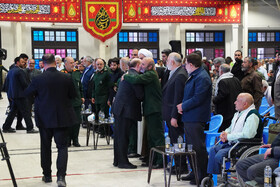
(173, 61)
(243, 101)
(69, 63)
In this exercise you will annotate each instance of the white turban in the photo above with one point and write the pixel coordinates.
(146, 53)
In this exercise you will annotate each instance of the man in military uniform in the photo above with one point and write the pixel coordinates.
(151, 105)
(101, 87)
(73, 131)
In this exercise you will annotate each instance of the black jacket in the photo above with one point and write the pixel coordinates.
(236, 70)
(173, 93)
(16, 83)
(128, 100)
(228, 90)
(53, 91)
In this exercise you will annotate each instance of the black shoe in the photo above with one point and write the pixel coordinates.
(157, 166)
(115, 164)
(77, 144)
(133, 155)
(47, 179)
(61, 181)
(127, 166)
(189, 177)
(193, 182)
(32, 131)
(10, 130)
(20, 128)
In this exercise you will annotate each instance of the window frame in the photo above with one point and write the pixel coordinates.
(138, 45)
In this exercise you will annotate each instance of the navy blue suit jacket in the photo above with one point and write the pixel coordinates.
(53, 91)
(196, 103)
(128, 100)
(85, 80)
(16, 83)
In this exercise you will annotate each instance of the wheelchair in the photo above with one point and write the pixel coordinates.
(243, 148)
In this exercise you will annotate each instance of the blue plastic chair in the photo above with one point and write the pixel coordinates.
(270, 121)
(263, 108)
(214, 125)
(264, 101)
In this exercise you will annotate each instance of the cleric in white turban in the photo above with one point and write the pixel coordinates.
(145, 53)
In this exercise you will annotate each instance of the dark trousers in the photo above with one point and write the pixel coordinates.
(155, 133)
(73, 131)
(21, 106)
(132, 146)
(195, 135)
(121, 139)
(252, 168)
(174, 133)
(60, 138)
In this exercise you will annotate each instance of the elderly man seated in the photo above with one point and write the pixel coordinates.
(251, 169)
(244, 124)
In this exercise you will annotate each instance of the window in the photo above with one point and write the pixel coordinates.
(49, 35)
(261, 36)
(153, 37)
(209, 36)
(263, 44)
(143, 36)
(61, 52)
(252, 37)
(133, 37)
(210, 43)
(190, 36)
(199, 37)
(63, 42)
(71, 36)
(123, 53)
(219, 36)
(270, 36)
(137, 39)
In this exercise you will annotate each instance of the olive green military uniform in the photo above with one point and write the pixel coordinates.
(151, 108)
(73, 132)
(101, 87)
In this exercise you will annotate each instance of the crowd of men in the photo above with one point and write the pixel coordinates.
(181, 93)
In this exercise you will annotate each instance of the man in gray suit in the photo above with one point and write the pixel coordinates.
(172, 95)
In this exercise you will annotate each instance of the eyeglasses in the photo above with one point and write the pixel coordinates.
(237, 55)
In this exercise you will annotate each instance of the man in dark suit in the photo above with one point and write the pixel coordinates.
(227, 89)
(16, 82)
(271, 65)
(196, 110)
(53, 91)
(172, 95)
(236, 68)
(127, 111)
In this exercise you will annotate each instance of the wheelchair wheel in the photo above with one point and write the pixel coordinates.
(207, 182)
(250, 152)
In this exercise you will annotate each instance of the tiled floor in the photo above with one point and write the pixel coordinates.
(86, 167)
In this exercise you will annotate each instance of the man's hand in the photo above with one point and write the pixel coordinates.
(223, 136)
(179, 107)
(108, 103)
(93, 100)
(122, 78)
(174, 122)
(83, 100)
(267, 153)
(266, 146)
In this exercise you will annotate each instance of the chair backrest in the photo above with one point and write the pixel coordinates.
(270, 110)
(264, 101)
(263, 108)
(216, 121)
